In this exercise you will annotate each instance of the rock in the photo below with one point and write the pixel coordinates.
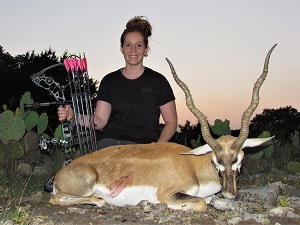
(146, 206)
(223, 204)
(279, 211)
(259, 218)
(41, 171)
(265, 196)
(76, 210)
(234, 221)
(292, 215)
(25, 169)
(293, 201)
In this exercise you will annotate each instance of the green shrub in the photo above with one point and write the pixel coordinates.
(293, 167)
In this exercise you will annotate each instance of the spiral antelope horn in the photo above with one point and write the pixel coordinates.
(237, 144)
(215, 146)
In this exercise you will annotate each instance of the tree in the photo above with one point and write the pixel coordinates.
(9, 74)
(279, 122)
(186, 134)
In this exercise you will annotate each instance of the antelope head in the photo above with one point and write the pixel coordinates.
(226, 151)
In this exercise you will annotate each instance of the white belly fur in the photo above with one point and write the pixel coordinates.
(128, 196)
(205, 190)
(133, 195)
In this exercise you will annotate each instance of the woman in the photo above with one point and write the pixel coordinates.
(131, 100)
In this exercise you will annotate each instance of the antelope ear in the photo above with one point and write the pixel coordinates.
(253, 142)
(198, 151)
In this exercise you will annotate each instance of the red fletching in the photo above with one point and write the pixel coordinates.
(71, 63)
(66, 63)
(84, 63)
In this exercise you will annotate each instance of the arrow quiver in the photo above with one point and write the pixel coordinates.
(77, 133)
(81, 99)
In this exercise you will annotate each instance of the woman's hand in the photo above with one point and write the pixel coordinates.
(65, 113)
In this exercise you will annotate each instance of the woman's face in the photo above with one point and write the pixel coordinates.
(134, 48)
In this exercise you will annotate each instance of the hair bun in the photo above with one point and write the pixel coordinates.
(140, 24)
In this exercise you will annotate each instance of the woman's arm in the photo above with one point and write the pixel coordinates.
(101, 115)
(169, 114)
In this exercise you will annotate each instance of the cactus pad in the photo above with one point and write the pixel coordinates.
(257, 156)
(221, 128)
(58, 132)
(26, 99)
(16, 149)
(42, 123)
(12, 127)
(268, 147)
(31, 120)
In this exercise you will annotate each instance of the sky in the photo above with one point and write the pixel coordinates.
(217, 47)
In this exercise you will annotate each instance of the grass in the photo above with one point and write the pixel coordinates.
(12, 193)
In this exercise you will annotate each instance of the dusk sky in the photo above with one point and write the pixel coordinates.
(217, 47)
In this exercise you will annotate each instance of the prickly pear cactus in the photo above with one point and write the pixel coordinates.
(18, 112)
(42, 123)
(257, 156)
(16, 149)
(268, 147)
(26, 99)
(12, 127)
(58, 132)
(4, 107)
(31, 120)
(221, 128)
(3, 154)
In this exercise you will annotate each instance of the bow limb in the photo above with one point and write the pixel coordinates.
(48, 83)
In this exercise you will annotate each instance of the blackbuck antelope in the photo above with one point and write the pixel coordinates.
(161, 172)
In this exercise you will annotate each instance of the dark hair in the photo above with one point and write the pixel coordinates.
(138, 23)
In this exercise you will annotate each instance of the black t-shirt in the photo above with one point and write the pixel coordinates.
(135, 105)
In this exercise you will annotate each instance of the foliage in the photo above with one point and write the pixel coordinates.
(16, 149)
(12, 127)
(25, 99)
(283, 196)
(284, 123)
(12, 194)
(295, 139)
(42, 123)
(293, 167)
(221, 128)
(279, 122)
(189, 135)
(267, 148)
(196, 143)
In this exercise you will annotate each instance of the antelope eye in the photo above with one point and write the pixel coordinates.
(220, 161)
(234, 161)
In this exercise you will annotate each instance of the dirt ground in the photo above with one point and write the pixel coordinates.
(38, 211)
(86, 214)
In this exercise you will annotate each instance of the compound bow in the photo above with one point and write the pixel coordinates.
(84, 136)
